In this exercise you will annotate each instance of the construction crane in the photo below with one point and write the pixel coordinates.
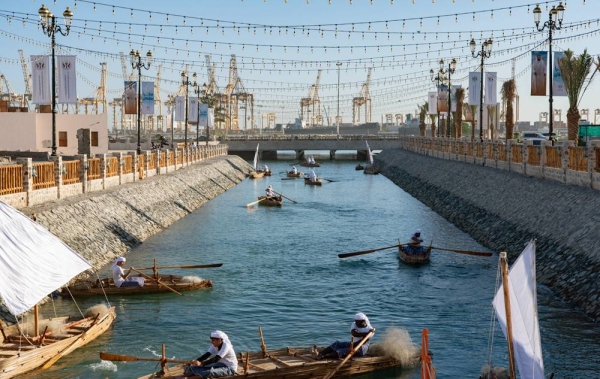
(99, 95)
(364, 98)
(8, 95)
(235, 92)
(312, 104)
(27, 79)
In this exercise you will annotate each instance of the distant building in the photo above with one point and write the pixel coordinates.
(522, 125)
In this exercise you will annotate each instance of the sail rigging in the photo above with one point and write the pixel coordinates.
(256, 158)
(369, 155)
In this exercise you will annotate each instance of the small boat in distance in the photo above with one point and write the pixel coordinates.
(359, 167)
(370, 168)
(256, 174)
(317, 182)
(414, 256)
(290, 174)
(151, 286)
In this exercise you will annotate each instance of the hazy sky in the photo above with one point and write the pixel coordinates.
(280, 46)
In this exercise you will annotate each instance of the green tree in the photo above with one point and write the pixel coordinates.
(575, 70)
(422, 116)
(509, 92)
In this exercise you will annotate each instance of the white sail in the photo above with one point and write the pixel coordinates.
(256, 158)
(523, 304)
(369, 155)
(33, 261)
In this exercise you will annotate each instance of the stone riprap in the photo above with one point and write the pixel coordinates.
(503, 210)
(104, 225)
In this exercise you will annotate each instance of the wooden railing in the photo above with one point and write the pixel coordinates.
(70, 174)
(11, 179)
(502, 153)
(127, 164)
(43, 175)
(517, 156)
(112, 166)
(162, 159)
(93, 171)
(152, 161)
(141, 168)
(179, 156)
(171, 158)
(533, 155)
(553, 157)
(578, 161)
(490, 152)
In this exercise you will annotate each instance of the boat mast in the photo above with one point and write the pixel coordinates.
(511, 352)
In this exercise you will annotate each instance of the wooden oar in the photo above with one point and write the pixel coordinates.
(350, 354)
(185, 266)
(329, 180)
(285, 197)
(346, 255)
(252, 203)
(158, 281)
(467, 252)
(129, 358)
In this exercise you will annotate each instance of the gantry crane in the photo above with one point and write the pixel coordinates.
(26, 78)
(7, 94)
(364, 98)
(235, 92)
(99, 95)
(312, 105)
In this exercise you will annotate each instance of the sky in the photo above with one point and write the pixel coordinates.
(280, 46)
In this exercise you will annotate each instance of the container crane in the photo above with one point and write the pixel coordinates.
(27, 79)
(364, 98)
(312, 104)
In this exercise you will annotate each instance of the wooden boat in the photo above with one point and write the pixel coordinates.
(370, 168)
(297, 363)
(35, 262)
(414, 256)
(306, 164)
(272, 202)
(107, 286)
(318, 182)
(257, 174)
(268, 173)
(298, 174)
(359, 167)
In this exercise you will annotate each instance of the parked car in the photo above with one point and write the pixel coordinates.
(536, 137)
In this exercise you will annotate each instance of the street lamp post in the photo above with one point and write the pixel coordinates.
(551, 25)
(137, 64)
(337, 118)
(171, 104)
(438, 78)
(201, 91)
(50, 27)
(486, 52)
(449, 71)
(186, 82)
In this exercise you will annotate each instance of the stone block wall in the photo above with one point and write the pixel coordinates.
(504, 210)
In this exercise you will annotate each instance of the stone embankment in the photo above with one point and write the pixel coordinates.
(104, 225)
(503, 211)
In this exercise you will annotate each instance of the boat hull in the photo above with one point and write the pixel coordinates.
(297, 363)
(257, 174)
(317, 183)
(405, 255)
(270, 202)
(305, 164)
(31, 357)
(371, 170)
(290, 174)
(98, 288)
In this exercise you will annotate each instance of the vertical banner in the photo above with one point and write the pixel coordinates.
(147, 97)
(41, 80)
(539, 65)
(474, 88)
(442, 98)
(491, 88)
(130, 97)
(453, 97)
(432, 96)
(67, 79)
(558, 84)
(467, 114)
(193, 110)
(211, 117)
(179, 108)
(203, 114)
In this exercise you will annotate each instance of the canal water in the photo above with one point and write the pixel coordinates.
(281, 272)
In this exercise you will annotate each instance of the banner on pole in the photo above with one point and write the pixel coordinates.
(432, 96)
(179, 108)
(491, 88)
(130, 97)
(442, 98)
(539, 65)
(453, 97)
(67, 79)
(193, 110)
(147, 97)
(41, 80)
(474, 88)
(558, 84)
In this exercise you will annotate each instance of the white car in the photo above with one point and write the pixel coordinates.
(536, 137)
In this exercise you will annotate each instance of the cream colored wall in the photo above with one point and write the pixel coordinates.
(29, 131)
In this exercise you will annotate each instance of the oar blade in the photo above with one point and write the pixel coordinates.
(355, 253)
(466, 252)
(183, 266)
(123, 358)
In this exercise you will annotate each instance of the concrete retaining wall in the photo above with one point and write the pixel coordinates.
(504, 210)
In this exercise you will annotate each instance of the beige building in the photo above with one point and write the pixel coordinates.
(30, 131)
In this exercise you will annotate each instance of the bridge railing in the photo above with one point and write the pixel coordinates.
(565, 162)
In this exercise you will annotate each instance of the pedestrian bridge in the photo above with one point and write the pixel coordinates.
(269, 145)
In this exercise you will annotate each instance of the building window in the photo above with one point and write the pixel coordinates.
(94, 138)
(62, 139)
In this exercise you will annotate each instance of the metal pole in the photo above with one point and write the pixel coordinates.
(139, 103)
(337, 118)
(53, 26)
(449, 126)
(481, 96)
(187, 82)
(172, 124)
(550, 64)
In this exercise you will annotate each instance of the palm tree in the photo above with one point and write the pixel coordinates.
(459, 95)
(473, 109)
(422, 115)
(433, 118)
(509, 91)
(574, 71)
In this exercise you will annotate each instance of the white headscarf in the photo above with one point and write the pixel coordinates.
(221, 335)
(119, 259)
(362, 317)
